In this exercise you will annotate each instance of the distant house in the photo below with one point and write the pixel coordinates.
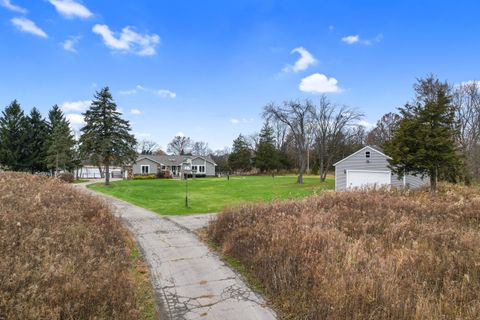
(368, 167)
(175, 164)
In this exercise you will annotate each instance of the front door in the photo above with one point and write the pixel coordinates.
(174, 170)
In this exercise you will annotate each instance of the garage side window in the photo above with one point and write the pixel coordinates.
(145, 169)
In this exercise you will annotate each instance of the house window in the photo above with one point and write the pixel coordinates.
(367, 154)
(145, 169)
(201, 169)
(194, 169)
(163, 168)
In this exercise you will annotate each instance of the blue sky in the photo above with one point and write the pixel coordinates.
(207, 68)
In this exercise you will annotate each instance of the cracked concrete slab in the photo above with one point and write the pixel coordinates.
(190, 281)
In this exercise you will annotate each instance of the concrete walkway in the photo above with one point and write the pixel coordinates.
(190, 281)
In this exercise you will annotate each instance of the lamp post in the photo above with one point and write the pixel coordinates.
(187, 167)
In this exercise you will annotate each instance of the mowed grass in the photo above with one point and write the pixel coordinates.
(210, 194)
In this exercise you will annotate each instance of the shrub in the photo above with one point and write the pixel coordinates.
(66, 177)
(164, 175)
(144, 177)
(63, 254)
(358, 255)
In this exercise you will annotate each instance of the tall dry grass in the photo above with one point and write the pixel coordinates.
(358, 255)
(62, 254)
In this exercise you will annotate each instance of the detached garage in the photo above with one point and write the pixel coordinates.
(368, 168)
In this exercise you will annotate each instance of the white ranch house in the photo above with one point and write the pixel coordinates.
(368, 168)
(175, 164)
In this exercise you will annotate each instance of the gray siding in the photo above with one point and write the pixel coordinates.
(137, 167)
(209, 167)
(376, 162)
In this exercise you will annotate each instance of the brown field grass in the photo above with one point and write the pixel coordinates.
(64, 256)
(361, 255)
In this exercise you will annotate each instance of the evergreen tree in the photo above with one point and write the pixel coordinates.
(240, 157)
(266, 156)
(424, 143)
(37, 142)
(13, 138)
(60, 152)
(105, 134)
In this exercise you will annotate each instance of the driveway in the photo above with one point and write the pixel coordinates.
(190, 281)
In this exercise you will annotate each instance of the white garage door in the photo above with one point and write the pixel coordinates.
(367, 179)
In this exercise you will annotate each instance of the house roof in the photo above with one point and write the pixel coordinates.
(173, 160)
(363, 149)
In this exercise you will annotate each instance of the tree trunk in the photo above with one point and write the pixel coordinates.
(433, 181)
(322, 169)
(107, 173)
(100, 170)
(302, 170)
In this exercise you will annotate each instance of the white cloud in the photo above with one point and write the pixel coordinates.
(306, 59)
(10, 6)
(79, 106)
(69, 44)
(166, 93)
(128, 40)
(351, 39)
(26, 25)
(135, 111)
(128, 92)
(71, 9)
(366, 124)
(319, 83)
(242, 120)
(180, 134)
(76, 121)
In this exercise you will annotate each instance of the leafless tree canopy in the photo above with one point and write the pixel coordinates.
(296, 115)
(331, 123)
(466, 99)
(147, 147)
(200, 148)
(179, 145)
(384, 129)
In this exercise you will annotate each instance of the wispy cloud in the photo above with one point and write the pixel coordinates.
(69, 44)
(306, 60)
(240, 120)
(78, 106)
(71, 9)
(319, 83)
(166, 93)
(355, 39)
(10, 6)
(26, 25)
(128, 40)
(135, 111)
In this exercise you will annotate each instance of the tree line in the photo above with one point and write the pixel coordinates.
(35, 144)
(436, 135)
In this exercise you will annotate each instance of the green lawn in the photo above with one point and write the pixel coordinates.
(210, 194)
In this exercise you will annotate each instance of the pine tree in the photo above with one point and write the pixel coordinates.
(13, 138)
(424, 142)
(106, 135)
(37, 142)
(60, 143)
(240, 157)
(266, 156)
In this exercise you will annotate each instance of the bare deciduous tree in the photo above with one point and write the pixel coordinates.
(330, 123)
(200, 148)
(466, 99)
(147, 147)
(180, 145)
(384, 129)
(297, 116)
